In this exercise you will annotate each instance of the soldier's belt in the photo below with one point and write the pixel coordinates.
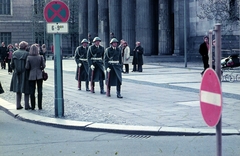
(96, 59)
(83, 59)
(113, 62)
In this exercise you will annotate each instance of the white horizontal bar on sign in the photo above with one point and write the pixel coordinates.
(211, 98)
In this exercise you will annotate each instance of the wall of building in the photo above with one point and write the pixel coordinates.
(18, 23)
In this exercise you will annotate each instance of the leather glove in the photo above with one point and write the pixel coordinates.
(92, 67)
(79, 64)
(108, 69)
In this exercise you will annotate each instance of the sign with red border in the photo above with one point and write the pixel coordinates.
(56, 11)
(211, 97)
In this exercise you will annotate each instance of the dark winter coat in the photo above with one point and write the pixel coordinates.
(113, 60)
(81, 57)
(3, 52)
(19, 82)
(35, 65)
(203, 49)
(138, 55)
(93, 54)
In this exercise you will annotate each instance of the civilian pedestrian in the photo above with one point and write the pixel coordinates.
(203, 50)
(35, 64)
(19, 82)
(9, 57)
(3, 51)
(126, 56)
(137, 57)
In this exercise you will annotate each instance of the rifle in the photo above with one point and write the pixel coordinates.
(79, 78)
(108, 87)
(92, 87)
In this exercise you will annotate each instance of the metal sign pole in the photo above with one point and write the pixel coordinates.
(58, 79)
(218, 55)
(185, 34)
(210, 48)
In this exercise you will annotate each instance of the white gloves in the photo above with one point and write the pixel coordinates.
(108, 69)
(79, 64)
(92, 67)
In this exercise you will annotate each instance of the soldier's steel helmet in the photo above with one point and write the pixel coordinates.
(114, 40)
(96, 39)
(84, 41)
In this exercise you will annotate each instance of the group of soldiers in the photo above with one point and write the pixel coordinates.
(92, 63)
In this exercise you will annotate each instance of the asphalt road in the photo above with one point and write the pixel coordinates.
(28, 139)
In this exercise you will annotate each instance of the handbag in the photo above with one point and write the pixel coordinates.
(1, 89)
(44, 74)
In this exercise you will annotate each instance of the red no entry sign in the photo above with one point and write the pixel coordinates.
(56, 11)
(211, 97)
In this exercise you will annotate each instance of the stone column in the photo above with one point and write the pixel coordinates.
(103, 24)
(178, 27)
(115, 18)
(144, 26)
(128, 22)
(93, 17)
(83, 19)
(165, 34)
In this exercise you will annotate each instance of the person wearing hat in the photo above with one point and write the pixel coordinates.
(95, 56)
(113, 66)
(203, 50)
(82, 64)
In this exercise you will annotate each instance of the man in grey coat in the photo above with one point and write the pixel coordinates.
(19, 82)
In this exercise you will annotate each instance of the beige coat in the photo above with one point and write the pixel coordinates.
(35, 64)
(126, 55)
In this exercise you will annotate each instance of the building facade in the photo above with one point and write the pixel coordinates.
(157, 24)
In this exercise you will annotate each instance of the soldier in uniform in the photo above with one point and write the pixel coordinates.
(113, 66)
(95, 56)
(82, 64)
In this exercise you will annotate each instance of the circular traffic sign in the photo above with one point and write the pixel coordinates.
(211, 98)
(56, 11)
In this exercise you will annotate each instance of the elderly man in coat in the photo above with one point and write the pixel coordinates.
(95, 56)
(19, 82)
(82, 64)
(137, 57)
(113, 66)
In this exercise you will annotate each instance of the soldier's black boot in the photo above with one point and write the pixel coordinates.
(39, 101)
(119, 95)
(79, 85)
(87, 86)
(33, 103)
(101, 87)
(108, 91)
(118, 92)
(92, 87)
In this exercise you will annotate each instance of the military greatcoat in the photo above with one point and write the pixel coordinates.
(81, 57)
(113, 60)
(95, 57)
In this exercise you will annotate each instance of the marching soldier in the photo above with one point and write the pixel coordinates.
(113, 66)
(95, 56)
(82, 64)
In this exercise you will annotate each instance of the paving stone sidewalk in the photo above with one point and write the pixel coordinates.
(164, 95)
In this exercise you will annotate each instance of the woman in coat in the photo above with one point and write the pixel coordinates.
(35, 64)
(126, 56)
